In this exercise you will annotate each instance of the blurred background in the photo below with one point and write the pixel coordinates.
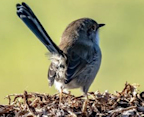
(23, 60)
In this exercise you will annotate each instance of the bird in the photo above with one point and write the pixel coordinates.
(75, 62)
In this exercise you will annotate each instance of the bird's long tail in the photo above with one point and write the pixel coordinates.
(26, 14)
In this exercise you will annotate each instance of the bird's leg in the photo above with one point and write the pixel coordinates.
(60, 96)
(85, 103)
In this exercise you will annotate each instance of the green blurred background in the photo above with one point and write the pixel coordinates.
(23, 60)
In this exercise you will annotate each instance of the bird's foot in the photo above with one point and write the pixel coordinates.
(60, 96)
(85, 105)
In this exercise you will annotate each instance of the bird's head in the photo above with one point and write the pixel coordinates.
(83, 31)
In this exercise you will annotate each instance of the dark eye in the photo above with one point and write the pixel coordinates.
(93, 28)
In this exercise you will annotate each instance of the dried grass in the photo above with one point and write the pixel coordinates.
(127, 103)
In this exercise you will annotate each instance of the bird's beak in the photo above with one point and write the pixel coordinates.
(101, 25)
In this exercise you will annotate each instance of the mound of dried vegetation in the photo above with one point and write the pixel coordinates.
(127, 103)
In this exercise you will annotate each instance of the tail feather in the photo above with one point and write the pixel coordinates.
(28, 17)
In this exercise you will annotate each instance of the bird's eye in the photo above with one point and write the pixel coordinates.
(91, 30)
(93, 27)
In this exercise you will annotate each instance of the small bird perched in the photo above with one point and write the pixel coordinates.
(76, 61)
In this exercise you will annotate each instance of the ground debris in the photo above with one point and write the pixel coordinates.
(127, 103)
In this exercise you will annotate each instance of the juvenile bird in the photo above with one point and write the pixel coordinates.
(76, 61)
